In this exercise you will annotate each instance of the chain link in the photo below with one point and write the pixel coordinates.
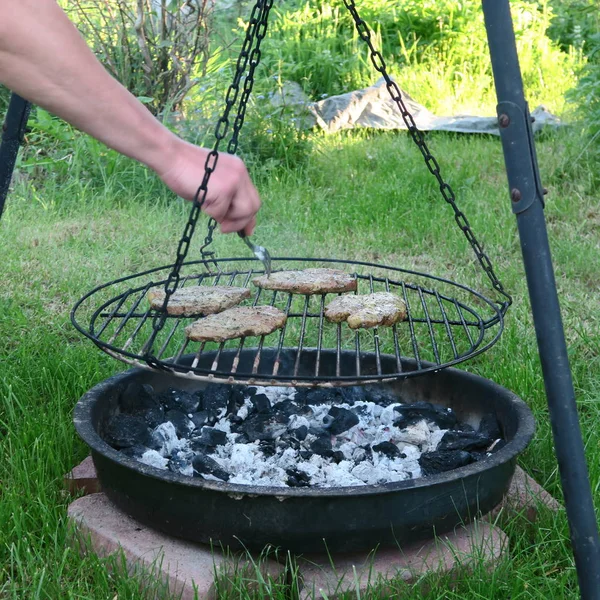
(432, 164)
(250, 53)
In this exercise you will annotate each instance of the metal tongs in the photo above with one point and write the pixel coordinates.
(261, 253)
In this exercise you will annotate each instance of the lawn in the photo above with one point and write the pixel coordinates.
(357, 196)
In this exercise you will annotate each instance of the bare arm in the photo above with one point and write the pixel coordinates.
(44, 59)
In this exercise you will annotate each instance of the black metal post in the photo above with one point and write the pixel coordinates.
(13, 131)
(527, 201)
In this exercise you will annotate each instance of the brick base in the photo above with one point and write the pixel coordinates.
(189, 569)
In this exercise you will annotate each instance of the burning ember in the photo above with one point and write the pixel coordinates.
(280, 436)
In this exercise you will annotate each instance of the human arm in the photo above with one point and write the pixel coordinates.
(44, 59)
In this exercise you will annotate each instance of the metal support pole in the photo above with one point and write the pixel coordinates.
(13, 131)
(527, 202)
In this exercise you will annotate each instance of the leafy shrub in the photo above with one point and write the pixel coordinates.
(155, 48)
(577, 23)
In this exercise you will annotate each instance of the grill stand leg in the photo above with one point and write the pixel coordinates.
(13, 131)
(527, 199)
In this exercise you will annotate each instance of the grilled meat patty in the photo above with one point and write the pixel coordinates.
(368, 310)
(308, 281)
(199, 299)
(235, 323)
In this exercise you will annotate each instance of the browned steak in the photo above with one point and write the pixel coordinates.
(364, 311)
(237, 322)
(199, 299)
(308, 281)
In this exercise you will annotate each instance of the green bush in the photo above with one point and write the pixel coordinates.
(577, 23)
(436, 49)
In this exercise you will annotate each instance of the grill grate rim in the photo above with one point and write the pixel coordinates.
(442, 328)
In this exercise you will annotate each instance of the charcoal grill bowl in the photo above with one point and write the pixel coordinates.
(300, 519)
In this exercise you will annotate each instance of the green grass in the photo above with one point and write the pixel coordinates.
(357, 196)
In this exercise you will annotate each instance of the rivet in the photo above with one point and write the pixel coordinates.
(532, 119)
(515, 195)
(504, 120)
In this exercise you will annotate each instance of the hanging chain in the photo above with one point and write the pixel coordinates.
(432, 164)
(250, 52)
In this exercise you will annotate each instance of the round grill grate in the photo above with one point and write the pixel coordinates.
(447, 323)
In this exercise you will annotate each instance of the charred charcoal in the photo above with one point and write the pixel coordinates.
(408, 414)
(203, 465)
(288, 441)
(368, 452)
(322, 446)
(237, 396)
(124, 431)
(297, 478)
(464, 440)
(318, 396)
(254, 428)
(199, 419)
(352, 394)
(215, 399)
(136, 451)
(164, 439)
(490, 427)
(181, 463)
(338, 457)
(261, 404)
(300, 433)
(182, 423)
(154, 416)
(381, 395)
(305, 454)
(318, 431)
(343, 419)
(267, 447)
(389, 449)
(137, 399)
(181, 400)
(284, 410)
(210, 438)
(441, 461)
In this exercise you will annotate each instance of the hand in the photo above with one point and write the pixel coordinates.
(232, 199)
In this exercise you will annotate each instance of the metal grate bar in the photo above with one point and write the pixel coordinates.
(276, 363)
(261, 342)
(197, 355)
(357, 346)
(215, 364)
(448, 329)
(375, 335)
(320, 337)
(236, 358)
(302, 332)
(338, 354)
(411, 326)
(434, 346)
(125, 319)
(112, 314)
(462, 318)
(395, 334)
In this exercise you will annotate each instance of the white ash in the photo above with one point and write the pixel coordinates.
(153, 458)
(248, 464)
